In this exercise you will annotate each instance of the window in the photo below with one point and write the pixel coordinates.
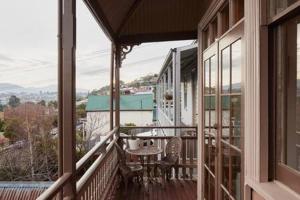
(287, 102)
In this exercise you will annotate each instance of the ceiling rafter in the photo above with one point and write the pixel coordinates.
(130, 12)
(101, 19)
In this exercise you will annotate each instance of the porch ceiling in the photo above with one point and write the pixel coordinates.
(138, 21)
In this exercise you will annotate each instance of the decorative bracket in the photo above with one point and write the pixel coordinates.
(126, 49)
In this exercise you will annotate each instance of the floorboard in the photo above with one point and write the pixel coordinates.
(174, 190)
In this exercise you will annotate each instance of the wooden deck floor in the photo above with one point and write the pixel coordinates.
(175, 189)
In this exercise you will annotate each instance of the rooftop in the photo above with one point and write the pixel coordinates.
(127, 102)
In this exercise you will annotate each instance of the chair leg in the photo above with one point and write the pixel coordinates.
(126, 184)
(163, 173)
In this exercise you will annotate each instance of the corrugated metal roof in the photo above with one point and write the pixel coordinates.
(127, 102)
(22, 190)
(137, 21)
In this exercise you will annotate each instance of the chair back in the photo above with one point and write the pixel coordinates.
(173, 149)
(121, 154)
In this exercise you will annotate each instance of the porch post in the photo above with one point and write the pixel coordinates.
(176, 90)
(117, 85)
(67, 95)
(59, 89)
(112, 71)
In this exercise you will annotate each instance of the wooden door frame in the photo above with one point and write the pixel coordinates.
(231, 36)
(207, 55)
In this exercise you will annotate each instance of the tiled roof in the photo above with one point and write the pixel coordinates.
(22, 190)
(127, 102)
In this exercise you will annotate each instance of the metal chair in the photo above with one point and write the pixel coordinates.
(128, 172)
(173, 150)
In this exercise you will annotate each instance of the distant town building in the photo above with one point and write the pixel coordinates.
(137, 109)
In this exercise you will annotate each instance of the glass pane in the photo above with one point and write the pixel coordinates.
(206, 78)
(212, 111)
(212, 154)
(225, 166)
(206, 186)
(236, 49)
(226, 70)
(236, 174)
(213, 74)
(235, 120)
(225, 117)
(211, 187)
(206, 142)
(207, 111)
(225, 195)
(298, 100)
(288, 92)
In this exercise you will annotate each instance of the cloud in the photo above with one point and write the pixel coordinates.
(5, 58)
(95, 71)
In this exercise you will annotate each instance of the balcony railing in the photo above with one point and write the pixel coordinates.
(96, 172)
(187, 165)
(97, 181)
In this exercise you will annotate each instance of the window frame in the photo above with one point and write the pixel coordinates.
(277, 170)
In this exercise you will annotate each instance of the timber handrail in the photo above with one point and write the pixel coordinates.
(160, 127)
(83, 180)
(88, 156)
(155, 137)
(54, 189)
(103, 147)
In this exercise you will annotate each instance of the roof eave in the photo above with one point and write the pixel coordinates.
(101, 20)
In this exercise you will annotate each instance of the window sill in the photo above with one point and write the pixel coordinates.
(273, 190)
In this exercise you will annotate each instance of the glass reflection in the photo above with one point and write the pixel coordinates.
(225, 166)
(226, 70)
(235, 120)
(206, 79)
(236, 174)
(225, 195)
(236, 49)
(213, 74)
(207, 111)
(206, 186)
(298, 99)
(212, 155)
(225, 117)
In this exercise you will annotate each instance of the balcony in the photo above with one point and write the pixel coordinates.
(97, 173)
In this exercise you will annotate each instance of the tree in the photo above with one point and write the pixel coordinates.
(42, 102)
(32, 124)
(80, 111)
(2, 107)
(53, 104)
(13, 101)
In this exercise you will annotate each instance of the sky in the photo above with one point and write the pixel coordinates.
(28, 47)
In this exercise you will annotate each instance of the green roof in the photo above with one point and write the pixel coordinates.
(127, 102)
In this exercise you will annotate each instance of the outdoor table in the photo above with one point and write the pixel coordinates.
(146, 151)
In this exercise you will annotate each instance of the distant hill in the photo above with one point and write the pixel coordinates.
(8, 88)
(148, 80)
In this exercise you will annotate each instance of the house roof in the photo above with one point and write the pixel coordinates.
(137, 21)
(127, 102)
(22, 190)
(188, 57)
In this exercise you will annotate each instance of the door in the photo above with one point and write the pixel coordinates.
(222, 94)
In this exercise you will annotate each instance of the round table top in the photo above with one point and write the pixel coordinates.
(145, 151)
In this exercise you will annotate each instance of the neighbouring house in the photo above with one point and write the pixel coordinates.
(176, 94)
(137, 109)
